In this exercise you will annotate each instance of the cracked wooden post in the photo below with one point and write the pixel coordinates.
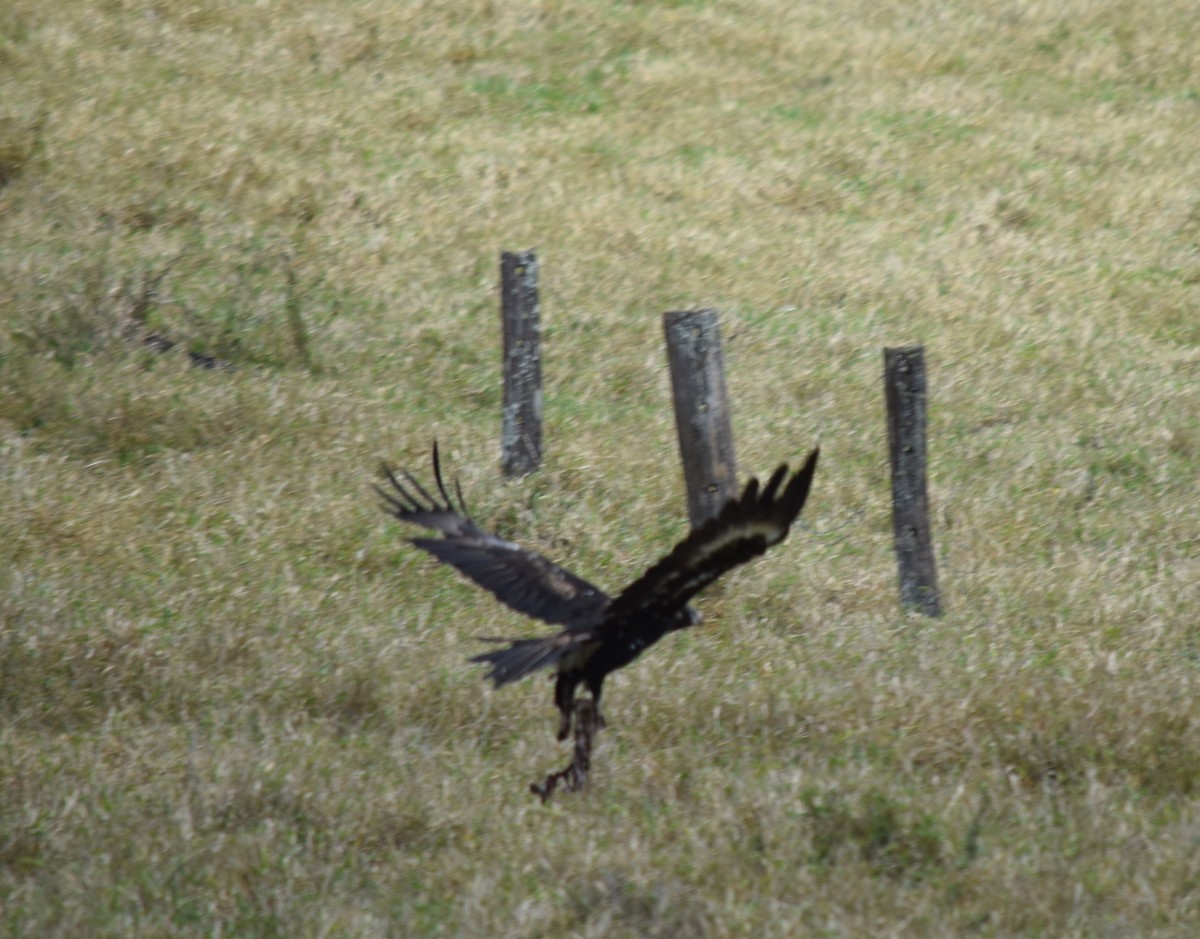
(905, 389)
(521, 427)
(701, 410)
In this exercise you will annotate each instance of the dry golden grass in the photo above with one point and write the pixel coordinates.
(234, 702)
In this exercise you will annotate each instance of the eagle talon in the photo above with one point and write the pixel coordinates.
(574, 775)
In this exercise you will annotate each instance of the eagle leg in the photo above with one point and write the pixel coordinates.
(564, 700)
(596, 686)
(587, 722)
(597, 716)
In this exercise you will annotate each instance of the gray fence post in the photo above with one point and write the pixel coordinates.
(521, 426)
(701, 410)
(905, 389)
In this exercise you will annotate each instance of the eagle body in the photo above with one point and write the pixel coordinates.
(600, 633)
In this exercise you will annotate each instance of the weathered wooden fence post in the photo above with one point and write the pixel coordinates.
(905, 389)
(521, 428)
(701, 410)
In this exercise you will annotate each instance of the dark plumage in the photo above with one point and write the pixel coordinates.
(600, 633)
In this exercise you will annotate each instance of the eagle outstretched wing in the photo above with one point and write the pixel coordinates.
(744, 528)
(656, 602)
(523, 580)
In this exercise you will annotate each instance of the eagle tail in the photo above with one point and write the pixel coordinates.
(522, 657)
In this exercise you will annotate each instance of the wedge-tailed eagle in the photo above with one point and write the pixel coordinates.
(600, 633)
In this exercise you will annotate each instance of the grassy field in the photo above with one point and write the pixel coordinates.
(234, 701)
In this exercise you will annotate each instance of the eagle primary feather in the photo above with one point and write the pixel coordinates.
(600, 634)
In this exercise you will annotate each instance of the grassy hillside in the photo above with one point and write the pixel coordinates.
(233, 700)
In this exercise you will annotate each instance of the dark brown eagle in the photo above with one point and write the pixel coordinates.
(600, 633)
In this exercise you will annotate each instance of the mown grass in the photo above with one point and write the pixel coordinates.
(234, 701)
